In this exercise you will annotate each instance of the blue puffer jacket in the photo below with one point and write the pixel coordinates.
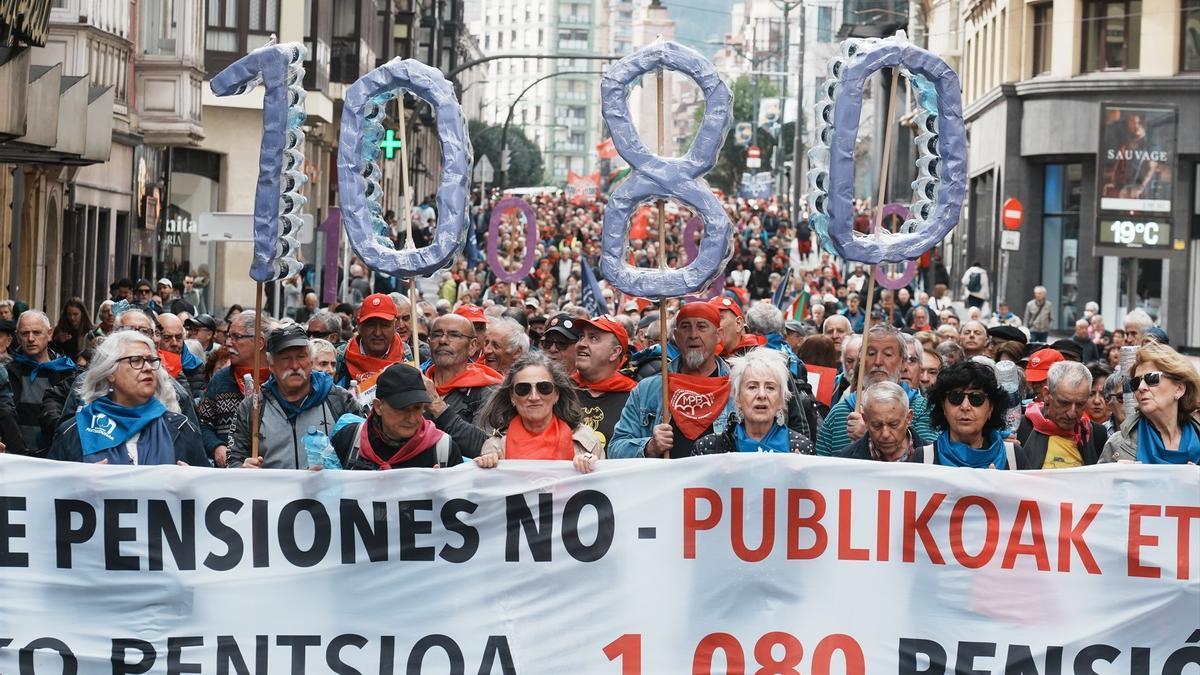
(643, 410)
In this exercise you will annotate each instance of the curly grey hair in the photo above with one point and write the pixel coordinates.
(94, 383)
(499, 410)
(518, 340)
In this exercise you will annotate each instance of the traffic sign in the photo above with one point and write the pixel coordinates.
(484, 172)
(753, 157)
(505, 159)
(1010, 240)
(1011, 213)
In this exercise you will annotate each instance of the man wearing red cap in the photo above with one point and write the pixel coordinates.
(474, 314)
(375, 344)
(734, 338)
(603, 390)
(698, 393)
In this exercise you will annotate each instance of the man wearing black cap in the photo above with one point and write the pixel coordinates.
(7, 330)
(293, 400)
(202, 328)
(560, 340)
(396, 435)
(1070, 350)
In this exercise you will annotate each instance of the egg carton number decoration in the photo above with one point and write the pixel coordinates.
(654, 177)
(359, 176)
(941, 143)
(278, 202)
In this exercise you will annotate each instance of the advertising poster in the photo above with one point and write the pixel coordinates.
(1137, 158)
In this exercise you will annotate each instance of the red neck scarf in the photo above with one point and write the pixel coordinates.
(748, 341)
(474, 375)
(240, 373)
(172, 362)
(696, 401)
(360, 365)
(615, 382)
(1081, 434)
(426, 437)
(555, 442)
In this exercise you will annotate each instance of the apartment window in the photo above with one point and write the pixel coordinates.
(158, 27)
(824, 24)
(235, 27)
(1043, 36)
(1190, 39)
(1111, 34)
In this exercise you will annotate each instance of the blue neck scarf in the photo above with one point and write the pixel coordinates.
(59, 365)
(953, 453)
(104, 423)
(776, 439)
(189, 360)
(321, 385)
(1152, 450)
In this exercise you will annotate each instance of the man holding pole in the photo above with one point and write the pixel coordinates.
(699, 393)
(217, 410)
(375, 345)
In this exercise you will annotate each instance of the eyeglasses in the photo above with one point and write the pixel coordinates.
(139, 362)
(453, 335)
(172, 337)
(144, 291)
(524, 389)
(148, 332)
(240, 336)
(977, 398)
(1151, 379)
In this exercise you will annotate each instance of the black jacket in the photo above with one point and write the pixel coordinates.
(1036, 444)
(44, 413)
(343, 444)
(715, 444)
(861, 449)
(188, 447)
(458, 419)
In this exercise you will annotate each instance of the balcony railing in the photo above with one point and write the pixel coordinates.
(573, 45)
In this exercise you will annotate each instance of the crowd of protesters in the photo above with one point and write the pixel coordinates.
(561, 366)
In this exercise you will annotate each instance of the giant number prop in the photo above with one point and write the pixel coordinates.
(523, 208)
(359, 174)
(277, 199)
(942, 146)
(653, 176)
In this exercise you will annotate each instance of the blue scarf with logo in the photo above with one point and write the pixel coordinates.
(59, 365)
(953, 453)
(105, 424)
(1152, 450)
(776, 440)
(321, 382)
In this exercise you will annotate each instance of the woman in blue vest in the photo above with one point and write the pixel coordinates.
(131, 413)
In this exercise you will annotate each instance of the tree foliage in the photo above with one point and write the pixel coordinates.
(526, 166)
(731, 163)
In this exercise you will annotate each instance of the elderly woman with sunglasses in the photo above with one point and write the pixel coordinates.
(1164, 429)
(968, 406)
(539, 410)
(131, 411)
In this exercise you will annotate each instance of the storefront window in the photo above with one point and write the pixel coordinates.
(194, 190)
(1190, 38)
(1060, 239)
(1112, 31)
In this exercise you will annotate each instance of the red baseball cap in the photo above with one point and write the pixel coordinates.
(377, 306)
(1039, 364)
(726, 303)
(473, 313)
(603, 323)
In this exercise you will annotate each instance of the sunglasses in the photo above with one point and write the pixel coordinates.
(977, 398)
(1151, 379)
(524, 389)
(317, 334)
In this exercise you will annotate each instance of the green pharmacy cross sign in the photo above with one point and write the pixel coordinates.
(390, 144)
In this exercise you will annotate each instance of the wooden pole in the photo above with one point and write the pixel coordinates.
(662, 256)
(883, 176)
(406, 210)
(255, 402)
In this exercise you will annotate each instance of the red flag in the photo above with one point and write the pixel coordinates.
(582, 188)
(605, 149)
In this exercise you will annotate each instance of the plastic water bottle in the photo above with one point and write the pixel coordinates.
(1010, 381)
(319, 450)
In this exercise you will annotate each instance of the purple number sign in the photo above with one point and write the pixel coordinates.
(524, 209)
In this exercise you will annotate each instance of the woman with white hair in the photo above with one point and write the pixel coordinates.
(131, 412)
(759, 381)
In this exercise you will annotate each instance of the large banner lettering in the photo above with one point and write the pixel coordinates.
(737, 563)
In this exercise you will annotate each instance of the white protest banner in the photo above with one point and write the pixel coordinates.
(765, 564)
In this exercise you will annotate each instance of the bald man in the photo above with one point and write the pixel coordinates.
(181, 364)
(457, 384)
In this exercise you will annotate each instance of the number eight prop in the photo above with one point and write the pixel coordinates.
(882, 278)
(277, 199)
(503, 206)
(942, 147)
(653, 176)
(359, 175)
(690, 231)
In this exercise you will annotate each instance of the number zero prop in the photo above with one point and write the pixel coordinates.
(503, 206)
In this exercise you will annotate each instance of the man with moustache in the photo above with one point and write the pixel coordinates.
(603, 390)
(375, 344)
(218, 409)
(699, 395)
(294, 399)
(457, 385)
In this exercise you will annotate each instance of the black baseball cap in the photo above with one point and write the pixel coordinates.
(201, 321)
(565, 325)
(7, 326)
(1010, 333)
(400, 385)
(287, 337)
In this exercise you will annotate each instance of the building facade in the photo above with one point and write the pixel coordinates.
(1086, 113)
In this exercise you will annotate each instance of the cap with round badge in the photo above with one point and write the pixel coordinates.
(565, 325)
(1039, 364)
(377, 306)
(726, 303)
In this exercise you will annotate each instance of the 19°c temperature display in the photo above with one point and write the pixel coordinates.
(1135, 233)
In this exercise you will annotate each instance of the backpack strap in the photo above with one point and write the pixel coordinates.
(927, 454)
(1010, 452)
(443, 450)
(352, 456)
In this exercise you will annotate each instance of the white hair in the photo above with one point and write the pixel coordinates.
(764, 318)
(94, 384)
(852, 341)
(247, 318)
(1039, 288)
(1139, 318)
(517, 342)
(1068, 374)
(834, 317)
(318, 345)
(764, 361)
(36, 313)
(882, 392)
